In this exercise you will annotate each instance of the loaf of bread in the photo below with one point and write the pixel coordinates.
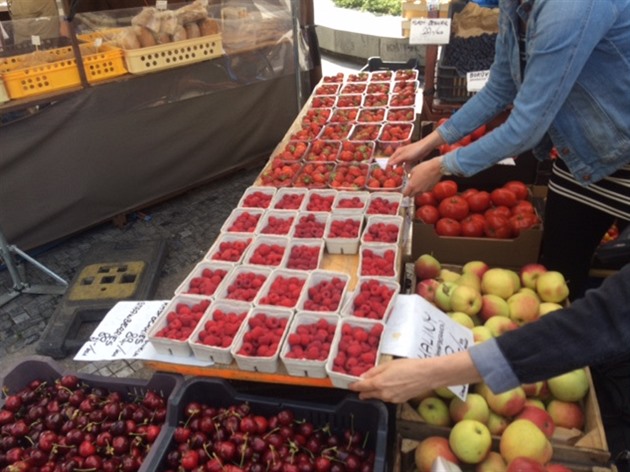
(208, 27)
(146, 37)
(148, 18)
(192, 30)
(194, 11)
(180, 33)
(129, 39)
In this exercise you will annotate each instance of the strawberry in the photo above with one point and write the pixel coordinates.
(356, 151)
(333, 79)
(378, 88)
(314, 175)
(371, 115)
(349, 100)
(326, 89)
(358, 77)
(323, 101)
(316, 116)
(401, 114)
(365, 132)
(406, 74)
(406, 87)
(323, 151)
(293, 151)
(388, 178)
(381, 76)
(404, 99)
(280, 173)
(345, 115)
(375, 100)
(353, 88)
(349, 176)
(335, 131)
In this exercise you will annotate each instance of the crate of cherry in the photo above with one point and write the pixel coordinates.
(204, 279)
(217, 428)
(373, 298)
(55, 419)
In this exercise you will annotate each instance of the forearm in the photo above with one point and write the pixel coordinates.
(454, 369)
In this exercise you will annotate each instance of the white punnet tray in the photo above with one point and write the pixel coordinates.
(344, 195)
(348, 308)
(320, 217)
(289, 192)
(339, 379)
(343, 245)
(216, 354)
(266, 239)
(398, 73)
(264, 291)
(212, 254)
(311, 243)
(404, 86)
(198, 271)
(222, 293)
(381, 75)
(269, 191)
(390, 197)
(172, 347)
(378, 219)
(305, 367)
(379, 250)
(390, 117)
(318, 276)
(284, 215)
(323, 193)
(236, 214)
(260, 364)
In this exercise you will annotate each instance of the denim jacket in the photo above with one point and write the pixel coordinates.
(576, 89)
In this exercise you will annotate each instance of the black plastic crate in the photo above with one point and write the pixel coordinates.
(376, 63)
(369, 417)
(44, 368)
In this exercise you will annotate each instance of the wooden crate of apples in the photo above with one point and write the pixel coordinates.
(528, 428)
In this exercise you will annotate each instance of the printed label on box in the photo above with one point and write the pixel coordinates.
(430, 31)
(476, 80)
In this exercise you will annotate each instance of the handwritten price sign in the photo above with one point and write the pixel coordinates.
(430, 31)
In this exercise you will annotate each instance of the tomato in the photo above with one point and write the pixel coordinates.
(428, 214)
(522, 222)
(498, 226)
(425, 198)
(454, 207)
(467, 192)
(519, 188)
(503, 197)
(523, 207)
(478, 133)
(479, 202)
(448, 227)
(500, 210)
(473, 225)
(444, 189)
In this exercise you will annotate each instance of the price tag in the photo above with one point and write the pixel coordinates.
(161, 5)
(430, 31)
(98, 42)
(476, 80)
(36, 40)
(382, 162)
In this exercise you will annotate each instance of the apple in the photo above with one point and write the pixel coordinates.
(447, 275)
(548, 307)
(462, 318)
(470, 280)
(535, 403)
(430, 449)
(475, 267)
(524, 464)
(465, 299)
(427, 267)
(523, 307)
(474, 407)
(533, 389)
(566, 414)
(540, 418)
(522, 438)
(497, 423)
(481, 334)
(508, 403)
(444, 392)
(569, 387)
(530, 273)
(470, 441)
(426, 289)
(527, 290)
(497, 281)
(497, 325)
(434, 410)
(557, 468)
(493, 305)
(552, 287)
(516, 280)
(443, 295)
(492, 463)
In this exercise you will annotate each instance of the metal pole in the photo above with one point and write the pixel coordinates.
(295, 14)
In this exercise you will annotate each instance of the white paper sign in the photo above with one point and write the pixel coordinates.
(36, 40)
(508, 161)
(122, 334)
(418, 330)
(382, 162)
(161, 5)
(476, 80)
(430, 31)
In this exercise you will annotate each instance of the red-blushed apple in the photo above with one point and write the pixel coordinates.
(548, 307)
(508, 403)
(516, 280)
(533, 389)
(552, 287)
(540, 418)
(443, 295)
(469, 280)
(497, 423)
(535, 403)
(497, 325)
(524, 464)
(474, 407)
(427, 267)
(426, 289)
(569, 387)
(529, 274)
(493, 305)
(566, 414)
(470, 441)
(522, 438)
(481, 334)
(554, 467)
(492, 463)
(434, 410)
(462, 319)
(447, 275)
(430, 449)
(475, 267)
(523, 307)
(465, 299)
(497, 281)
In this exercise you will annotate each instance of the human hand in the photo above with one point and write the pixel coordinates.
(423, 177)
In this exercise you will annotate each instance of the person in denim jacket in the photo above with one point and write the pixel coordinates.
(569, 87)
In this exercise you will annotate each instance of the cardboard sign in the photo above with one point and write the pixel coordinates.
(475, 81)
(430, 31)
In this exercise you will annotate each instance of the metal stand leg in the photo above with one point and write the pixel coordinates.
(20, 285)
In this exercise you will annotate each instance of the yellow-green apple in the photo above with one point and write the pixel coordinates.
(465, 299)
(469, 280)
(530, 273)
(539, 417)
(528, 290)
(426, 289)
(462, 318)
(523, 307)
(497, 423)
(475, 267)
(557, 468)
(548, 307)
(481, 334)
(533, 389)
(481, 388)
(499, 325)
(444, 392)
(497, 281)
(516, 280)
(470, 440)
(535, 403)
(552, 287)
(447, 275)
(566, 414)
(508, 403)
(493, 305)
(443, 295)
(434, 410)
(427, 267)
(474, 407)
(524, 464)
(522, 438)
(569, 387)
(430, 449)
(492, 463)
